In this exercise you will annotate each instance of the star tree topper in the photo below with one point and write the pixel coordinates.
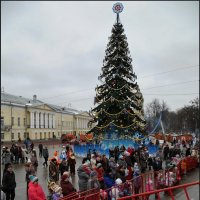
(118, 8)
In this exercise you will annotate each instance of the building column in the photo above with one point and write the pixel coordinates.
(77, 123)
(37, 120)
(46, 120)
(41, 120)
(53, 116)
(32, 120)
(50, 120)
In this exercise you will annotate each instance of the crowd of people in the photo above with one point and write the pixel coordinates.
(97, 172)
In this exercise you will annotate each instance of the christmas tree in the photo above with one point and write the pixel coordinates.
(119, 111)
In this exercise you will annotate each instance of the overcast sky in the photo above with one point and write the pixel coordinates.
(56, 49)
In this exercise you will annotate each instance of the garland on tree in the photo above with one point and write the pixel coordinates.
(119, 101)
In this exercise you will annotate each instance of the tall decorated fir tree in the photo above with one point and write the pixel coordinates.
(119, 109)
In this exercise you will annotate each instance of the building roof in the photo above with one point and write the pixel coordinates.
(9, 98)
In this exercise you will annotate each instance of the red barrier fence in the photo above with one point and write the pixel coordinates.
(145, 195)
(150, 182)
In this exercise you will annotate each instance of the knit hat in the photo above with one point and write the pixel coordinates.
(33, 178)
(118, 181)
(93, 174)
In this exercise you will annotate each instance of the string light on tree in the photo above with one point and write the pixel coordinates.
(119, 102)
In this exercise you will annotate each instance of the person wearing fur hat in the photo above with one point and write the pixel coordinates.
(8, 182)
(84, 171)
(66, 185)
(35, 191)
(72, 163)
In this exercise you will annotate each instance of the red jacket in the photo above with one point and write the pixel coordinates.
(35, 192)
(100, 172)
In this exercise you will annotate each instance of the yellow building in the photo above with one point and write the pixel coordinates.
(22, 117)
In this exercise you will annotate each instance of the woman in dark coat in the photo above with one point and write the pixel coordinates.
(8, 182)
(66, 185)
(72, 163)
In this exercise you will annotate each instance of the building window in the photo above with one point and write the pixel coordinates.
(19, 135)
(2, 122)
(2, 136)
(24, 121)
(40, 135)
(18, 120)
(45, 136)
(36, 136)
(49, 135)
(12, 121)
(12, 136)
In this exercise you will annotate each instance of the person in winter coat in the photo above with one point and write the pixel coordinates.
(118, 190)
(166, 152)
(56, 191)
(63, 155)
(40, 146)
(45, 156)
(6, 156)
(93, 182)
(108, 179)
(137, 181)
(8, 182)
(113, 166)
(53, 170)
(63, 167)
(30, 170)
(34, 160)
(105, 162)
(35, 191)
(71, 164)
(100, 172)
(66, 185)
(84, 171)
(150, 162)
